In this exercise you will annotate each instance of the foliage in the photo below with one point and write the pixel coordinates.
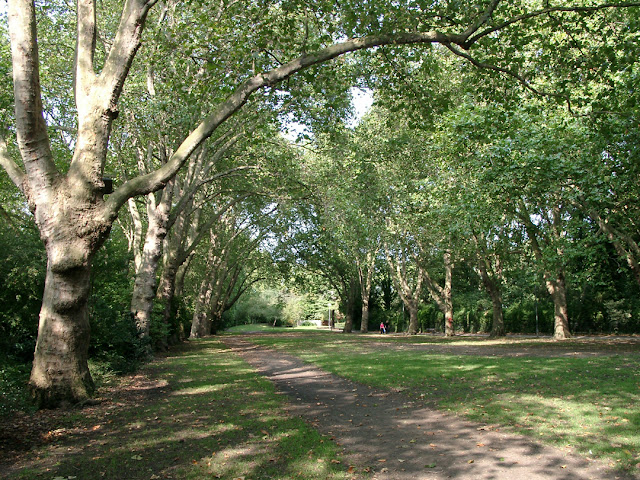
(527, 139)
(14, 397)
(114, 340)
(282, 307)
(22, 272)
(260, 305)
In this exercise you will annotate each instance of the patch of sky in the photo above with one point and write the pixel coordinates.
(361, 101)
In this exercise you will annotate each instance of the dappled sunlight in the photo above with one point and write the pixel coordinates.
(233, 461)
(574, 423)
(200, 390)
(557, 392)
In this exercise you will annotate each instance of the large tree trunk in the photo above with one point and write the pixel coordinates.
(558, 291)
(144, 288)
(201, 323)
(165, 295)
(447, 295)
(490, 280)
(349, 305)
(490, 285)
(554, 279)
(414, 326)
(60, 374)
(69, 210)
(206, 304)
(409, 295)
(497, 327)
(158, 207)
(443, 295)
(364, 324)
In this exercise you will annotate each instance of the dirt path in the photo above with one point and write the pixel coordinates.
(398, 439)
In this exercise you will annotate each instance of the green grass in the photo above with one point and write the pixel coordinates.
(267, 328)
(587, 404)
(207, 415)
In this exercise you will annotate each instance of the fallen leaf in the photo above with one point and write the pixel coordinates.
(351, 469)
(480, 445)
(470, 461)
(401, 460)
(335, 461)
(136, 457)
(382, 460)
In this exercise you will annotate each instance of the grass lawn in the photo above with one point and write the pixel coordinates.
(585, 404)
(201, 412)
(268, 328)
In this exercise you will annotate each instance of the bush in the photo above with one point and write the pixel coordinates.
(22, 273)
(14, 394)
(114, 339)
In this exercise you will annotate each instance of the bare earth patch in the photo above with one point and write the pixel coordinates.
(394, 438)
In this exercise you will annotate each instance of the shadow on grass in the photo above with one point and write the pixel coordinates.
(200, 412)
(585, 403)
(395, 434)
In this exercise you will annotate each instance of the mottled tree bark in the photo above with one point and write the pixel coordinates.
(490, 280)
(144, 288)
(69, 210)
(410, 295)
(554, 277)
(365, 275)
(443, 295)
(558, 291)
(349, 303)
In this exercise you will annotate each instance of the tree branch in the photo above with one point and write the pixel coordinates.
(15, 173)
(84, 74)
(483, 19)
(33, 139)
(157, 179)
(125, 45)
(523, 81)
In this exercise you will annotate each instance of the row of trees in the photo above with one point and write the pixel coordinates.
(185, 118)
(525, 204)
